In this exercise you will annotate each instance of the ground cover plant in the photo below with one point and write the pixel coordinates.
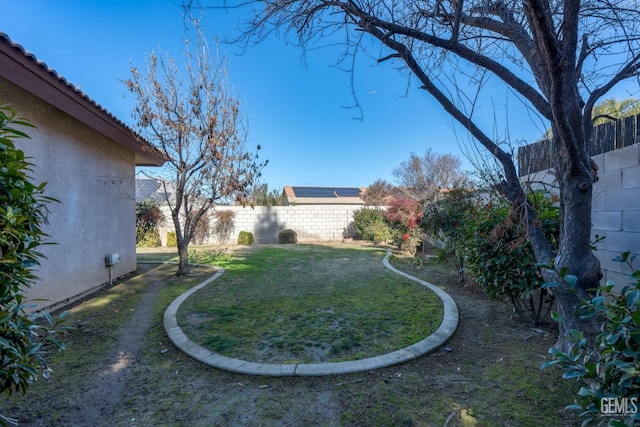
(121, 369)
(608, 366)
(315, 304)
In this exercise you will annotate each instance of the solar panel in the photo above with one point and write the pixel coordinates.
(326, 192)
(311, 192)
(348, 192)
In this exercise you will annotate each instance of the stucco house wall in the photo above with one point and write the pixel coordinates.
(87, 158)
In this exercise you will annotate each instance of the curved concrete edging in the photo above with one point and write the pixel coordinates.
(421, 348)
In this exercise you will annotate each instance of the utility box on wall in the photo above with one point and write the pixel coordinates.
(111, 259)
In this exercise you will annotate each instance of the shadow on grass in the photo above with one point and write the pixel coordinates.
(313, 304)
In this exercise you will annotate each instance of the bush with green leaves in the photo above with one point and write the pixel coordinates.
(445, 221)
(150, 239)
(404, 215)
(287, 236)
(371, 224)
(245, 238)
(224, 225)
(149, 218)
(502, 261)
(172, 240)
(23, 211)
(608, 366)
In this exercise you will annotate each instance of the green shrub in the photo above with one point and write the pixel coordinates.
(287, 236)
(609, 365)
(23, 210)
(372, 225)
(445, 221)
(151, 239)
(149, 217)
(502, 261)
(245, 238)
(172, 240)
(404, 215)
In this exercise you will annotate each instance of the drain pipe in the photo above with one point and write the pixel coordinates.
(110, 260)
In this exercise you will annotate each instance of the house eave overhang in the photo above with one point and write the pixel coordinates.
(27, 72)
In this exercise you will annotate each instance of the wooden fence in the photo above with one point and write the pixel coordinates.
(605, 137)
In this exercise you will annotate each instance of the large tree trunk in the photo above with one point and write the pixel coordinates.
(575, 254)
(559, 78)
(574, 251)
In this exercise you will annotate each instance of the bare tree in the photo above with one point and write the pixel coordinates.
(558, 56)
(424, 177)
(192, 116)
(379, 193)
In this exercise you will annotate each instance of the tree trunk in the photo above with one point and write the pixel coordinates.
(183, 257)
(183, 245)
(574, 253)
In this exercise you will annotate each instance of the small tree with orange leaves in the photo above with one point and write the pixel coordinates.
(190, 114)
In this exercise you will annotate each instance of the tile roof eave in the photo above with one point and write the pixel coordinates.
(27, 72)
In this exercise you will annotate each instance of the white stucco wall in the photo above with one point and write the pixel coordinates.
(93, 178)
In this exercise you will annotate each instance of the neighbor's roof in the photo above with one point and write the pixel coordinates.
(324, 195)
(29, 73)
(153, 189)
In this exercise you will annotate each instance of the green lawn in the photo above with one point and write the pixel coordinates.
(307, 304)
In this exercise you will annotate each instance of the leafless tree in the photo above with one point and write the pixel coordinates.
(558, 56)
(424, 177)
(191, 114)
(379, 193)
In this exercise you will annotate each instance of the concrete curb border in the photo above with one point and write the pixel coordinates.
(444, 332)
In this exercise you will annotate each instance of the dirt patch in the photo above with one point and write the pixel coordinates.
(127, 373)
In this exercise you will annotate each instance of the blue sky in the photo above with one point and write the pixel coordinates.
(295, 109)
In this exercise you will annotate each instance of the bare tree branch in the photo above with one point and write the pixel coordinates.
(556, 55)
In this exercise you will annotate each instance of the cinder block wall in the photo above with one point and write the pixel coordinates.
(310, 222)
(615, 211)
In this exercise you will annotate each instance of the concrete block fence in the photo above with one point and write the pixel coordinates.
(310, 222)
(615, 210)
